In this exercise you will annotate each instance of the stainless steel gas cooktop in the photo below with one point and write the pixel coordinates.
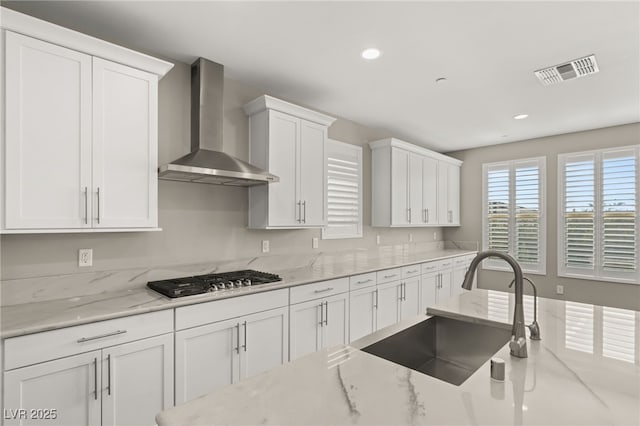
(187, 286)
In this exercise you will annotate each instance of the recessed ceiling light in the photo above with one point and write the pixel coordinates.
(371, 53)
(520, 116)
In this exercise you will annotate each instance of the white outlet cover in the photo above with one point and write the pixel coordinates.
(314, 242)
(85, 257)
(377, 239)
(265, 246)
(559, 289)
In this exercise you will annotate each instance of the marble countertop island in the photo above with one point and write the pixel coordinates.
(585, 370)
(49, 303)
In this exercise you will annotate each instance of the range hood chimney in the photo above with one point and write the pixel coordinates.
(212, 166)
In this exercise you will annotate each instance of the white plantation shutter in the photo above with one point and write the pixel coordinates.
(344, 191)
(598, 225)
(513, 216)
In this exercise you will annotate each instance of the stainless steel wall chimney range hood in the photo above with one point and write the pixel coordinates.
(203, 165)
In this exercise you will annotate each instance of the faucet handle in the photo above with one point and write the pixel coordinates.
(518, 347)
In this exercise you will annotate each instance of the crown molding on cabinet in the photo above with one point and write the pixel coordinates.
(413, 148)
(52, 33)
(268, 102)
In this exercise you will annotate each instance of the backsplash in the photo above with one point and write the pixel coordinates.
(38, 289)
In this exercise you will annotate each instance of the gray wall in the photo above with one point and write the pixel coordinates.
(200, 222)
(596, 292)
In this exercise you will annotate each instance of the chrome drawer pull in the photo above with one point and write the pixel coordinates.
(323, 290)
(390, 276)
(365, 281)
(412, 272)
(101, 336)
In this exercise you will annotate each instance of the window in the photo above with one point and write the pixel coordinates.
(513, 216)
(598, 214)
(344, 191)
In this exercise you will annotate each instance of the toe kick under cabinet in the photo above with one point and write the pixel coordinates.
(80, 139)
(113, 372)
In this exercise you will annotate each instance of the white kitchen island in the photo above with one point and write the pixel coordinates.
(583, 371)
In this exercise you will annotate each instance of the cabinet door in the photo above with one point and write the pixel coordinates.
(48, 135)
(457, 277)
(429, 191)
(444, 292)
(284, 132)
(428, 287)
(448, 194)
(125, 104)
(336, 321)
(305, 333)
(207, 358)
(362, 312)
(415, 190)
(312, 173)
(137, 381)
(264, 341)
(410, 304)
(388, 311)
(69, 385)
(399, 187)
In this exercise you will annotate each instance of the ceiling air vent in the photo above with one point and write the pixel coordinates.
(574, 69)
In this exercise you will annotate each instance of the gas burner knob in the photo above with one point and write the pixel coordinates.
(246, 282)
(221, 285)
(229, 284)
(238, 283)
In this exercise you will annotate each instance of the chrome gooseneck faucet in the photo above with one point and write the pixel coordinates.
(534, 327)
(518, 343)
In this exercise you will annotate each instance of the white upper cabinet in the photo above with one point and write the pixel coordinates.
(288, 141)
(449, 194)
(81, 131)
(412, 186)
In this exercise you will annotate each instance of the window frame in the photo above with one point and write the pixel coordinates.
(497, 264)
(358, 151)
(597, 273)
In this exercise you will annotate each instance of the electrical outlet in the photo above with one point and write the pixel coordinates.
(410, 237)
(378, 239)
(559, 289)
(265, 246)
(435, 235)
(85, 257)
(314, 242)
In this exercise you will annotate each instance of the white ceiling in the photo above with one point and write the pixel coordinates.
(309, 52)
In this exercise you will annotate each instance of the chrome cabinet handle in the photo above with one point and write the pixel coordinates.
(245, 336)
(450, 213)
(427, 212)
(237, 348)
(299, 219)
(412, 272)
(304, 212)
(109, 374)
(98, 218)
(409, 214)
(86, 205)
(323, 290)
(326, 314)
(424, 216)
(376, 305)
(95, 378)
(322, 314)
(101, 336)
(365, 281)
(390, 276)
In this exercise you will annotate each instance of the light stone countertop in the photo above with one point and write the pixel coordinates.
(555, 385)
(27, 318)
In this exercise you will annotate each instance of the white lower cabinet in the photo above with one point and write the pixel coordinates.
(362, 312)
(215, 355)
(126, 384)
(318, 316)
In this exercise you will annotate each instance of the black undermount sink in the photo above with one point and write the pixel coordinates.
(444, 348)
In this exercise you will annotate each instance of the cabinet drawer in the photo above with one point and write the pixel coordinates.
(362, 280)
(320, 289)
(411, 271)
(39, 347)
(430, 267)
(445, 263)
(389, 275)
(218, 310)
